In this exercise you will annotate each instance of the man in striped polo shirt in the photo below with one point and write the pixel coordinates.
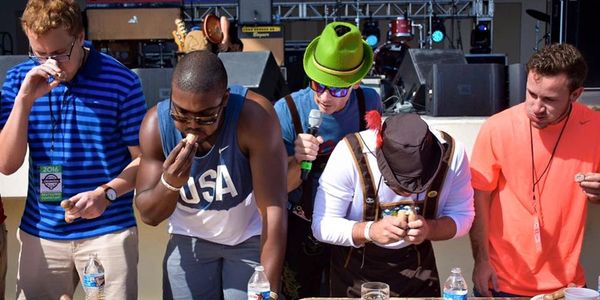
(79, 111)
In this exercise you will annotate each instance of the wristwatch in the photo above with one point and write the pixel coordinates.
(109, 193)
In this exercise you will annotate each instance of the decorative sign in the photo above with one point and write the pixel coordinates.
(261, 32)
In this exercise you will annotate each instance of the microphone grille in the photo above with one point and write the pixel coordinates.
(315, 118)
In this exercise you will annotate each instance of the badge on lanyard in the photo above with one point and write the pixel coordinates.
(537, 237)
(51, 183)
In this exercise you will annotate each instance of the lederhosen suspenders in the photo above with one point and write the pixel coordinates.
(415, 271)
(433, 194)
(371, 201)
(304, 207)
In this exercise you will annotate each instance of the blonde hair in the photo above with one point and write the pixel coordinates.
(41, 16)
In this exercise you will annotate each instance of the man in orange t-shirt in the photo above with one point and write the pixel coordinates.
(534, 168)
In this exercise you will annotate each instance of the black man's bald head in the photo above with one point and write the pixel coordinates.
(200, 72)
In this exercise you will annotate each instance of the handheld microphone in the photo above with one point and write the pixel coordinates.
(314, 121)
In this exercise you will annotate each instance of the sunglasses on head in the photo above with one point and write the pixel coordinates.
(333, 91)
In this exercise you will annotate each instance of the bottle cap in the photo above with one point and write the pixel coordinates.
(259, 268)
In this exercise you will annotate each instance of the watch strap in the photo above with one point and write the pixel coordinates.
(106, 188)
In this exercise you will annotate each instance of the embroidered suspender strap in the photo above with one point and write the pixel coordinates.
(370, 200)
(305, 205)
(294, 114)
(360, 95)
(433, 194)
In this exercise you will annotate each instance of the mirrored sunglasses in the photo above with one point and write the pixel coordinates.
(333, 91)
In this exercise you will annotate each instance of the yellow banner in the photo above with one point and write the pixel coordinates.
(249, 29)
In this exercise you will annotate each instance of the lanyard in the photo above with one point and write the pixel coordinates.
(57, 118)
(536, 180)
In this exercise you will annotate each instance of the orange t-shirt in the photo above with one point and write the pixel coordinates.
(501, 162)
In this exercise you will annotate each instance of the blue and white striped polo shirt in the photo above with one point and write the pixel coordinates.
(85, 126)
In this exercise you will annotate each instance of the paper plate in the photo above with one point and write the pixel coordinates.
(538, 297)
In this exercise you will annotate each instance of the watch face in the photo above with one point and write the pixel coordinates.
(111, 194)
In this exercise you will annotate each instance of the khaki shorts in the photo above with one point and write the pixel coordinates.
(51, 268)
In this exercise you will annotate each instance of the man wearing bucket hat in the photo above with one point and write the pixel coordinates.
(385, 194)
(336, 62)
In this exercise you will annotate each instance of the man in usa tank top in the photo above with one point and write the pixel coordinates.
(223, 192)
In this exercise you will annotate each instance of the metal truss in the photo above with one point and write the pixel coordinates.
(195, 12)
(351, 10)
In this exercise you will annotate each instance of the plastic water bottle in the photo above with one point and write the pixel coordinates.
(455, 287)
(258, 285)
(93, 279)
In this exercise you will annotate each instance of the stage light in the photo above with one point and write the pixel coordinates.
(438, 31)
(371, 32)
(481, 38)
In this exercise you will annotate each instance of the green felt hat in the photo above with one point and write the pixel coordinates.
(339, 57)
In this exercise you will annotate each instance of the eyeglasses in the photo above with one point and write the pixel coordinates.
(200, 120)
(333, 91)
(58, 58)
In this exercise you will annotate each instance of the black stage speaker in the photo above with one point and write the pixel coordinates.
(296, 77)
(257, 71)
(156, 83)
(7, 62)
(517, 83)
(577, 28)
(490, 58)
(414, 73)
(255, 11)
(467, 90)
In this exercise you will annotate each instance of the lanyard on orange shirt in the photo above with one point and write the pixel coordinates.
(537, 237)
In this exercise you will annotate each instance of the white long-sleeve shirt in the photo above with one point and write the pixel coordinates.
(339, 199)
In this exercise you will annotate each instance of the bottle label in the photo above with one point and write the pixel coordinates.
(258, 295)
(93, 280)
(451, 296)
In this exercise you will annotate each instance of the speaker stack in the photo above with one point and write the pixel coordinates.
(257, 71)
(156, 84)
(467, 90)
(414, 73)
(441, 83)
